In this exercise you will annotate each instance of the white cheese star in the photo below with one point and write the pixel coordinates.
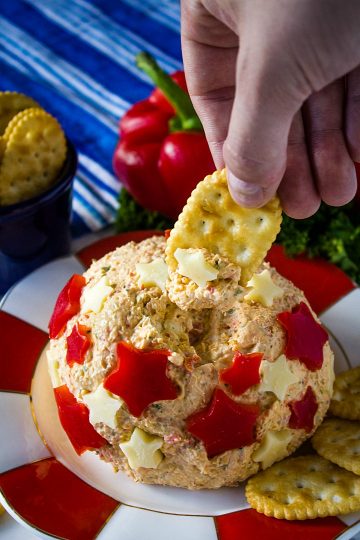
(53, 369)
(143, 450)
(276, 377)
(194, 266)
(263, 290)
(103, 406)
(273, 447)
(153, 274)
(94, 298)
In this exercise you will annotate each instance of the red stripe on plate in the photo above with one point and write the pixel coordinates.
(322, 282)
(249, 524)
(103, 246)
(54, 500)
(20, 348)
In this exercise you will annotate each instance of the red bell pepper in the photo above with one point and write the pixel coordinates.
(74, 418)
(305, 336)
(243, 373)
(78, 343)
(224, 424)
(303, 411)
(140, 378)
(162, 153)
(158, 98)
(67, 305)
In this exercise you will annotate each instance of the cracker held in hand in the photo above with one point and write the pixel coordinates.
(339, 441)
(304, 487)
(346, 397)
(35, 150)
(11, 103)
(211, 219)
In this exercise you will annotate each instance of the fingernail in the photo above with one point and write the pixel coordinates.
(244, 193)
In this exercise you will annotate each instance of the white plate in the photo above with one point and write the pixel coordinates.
(91, 501)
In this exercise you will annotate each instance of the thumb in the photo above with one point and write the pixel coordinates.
(255, 149)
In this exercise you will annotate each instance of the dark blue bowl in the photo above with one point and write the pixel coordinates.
(37, 230)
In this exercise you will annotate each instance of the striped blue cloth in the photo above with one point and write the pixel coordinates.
(76, 58)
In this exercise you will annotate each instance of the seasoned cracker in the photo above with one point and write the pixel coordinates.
(339, 441)
(34, 154)
(211, 219)
(304, 487)
(12, 103)
(346, 397)
(2, 147)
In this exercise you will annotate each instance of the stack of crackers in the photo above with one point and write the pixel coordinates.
(327, 484)
(32, 148)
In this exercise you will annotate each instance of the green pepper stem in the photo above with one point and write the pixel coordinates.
(179, 99)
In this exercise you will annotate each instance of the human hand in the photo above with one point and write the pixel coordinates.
(276, 84)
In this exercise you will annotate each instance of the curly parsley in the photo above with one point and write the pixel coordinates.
(132, 217)
(332, 233)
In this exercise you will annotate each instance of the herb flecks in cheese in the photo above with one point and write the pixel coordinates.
(192, 264)
(143, 450)
(153, 274)
(273, 447)
(276, 377)
(263, 289)
(94, 297)
(103, 406)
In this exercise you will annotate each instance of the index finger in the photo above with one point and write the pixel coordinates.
(209, 51)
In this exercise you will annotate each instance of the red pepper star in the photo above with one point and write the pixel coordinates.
(139, 377)
(78, 343)
(243, 373)
(303, 411)
(74, 418)
(224, 424)
(305, 336)
(67, 305)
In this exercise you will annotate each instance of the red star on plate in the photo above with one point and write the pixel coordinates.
(305, 336)
(303, 411)
(139, 377)
(224, 424)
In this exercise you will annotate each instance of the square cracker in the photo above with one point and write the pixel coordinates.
(211, 219)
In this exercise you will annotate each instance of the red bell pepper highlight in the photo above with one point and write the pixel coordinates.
(305, 337)
(67, 305)
(162, 153)
(74, 418)
(78, 343)
(303, 411)
(224, 424)
(139, 377)
(167, 233)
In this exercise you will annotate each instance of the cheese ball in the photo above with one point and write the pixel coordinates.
(184, 394)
